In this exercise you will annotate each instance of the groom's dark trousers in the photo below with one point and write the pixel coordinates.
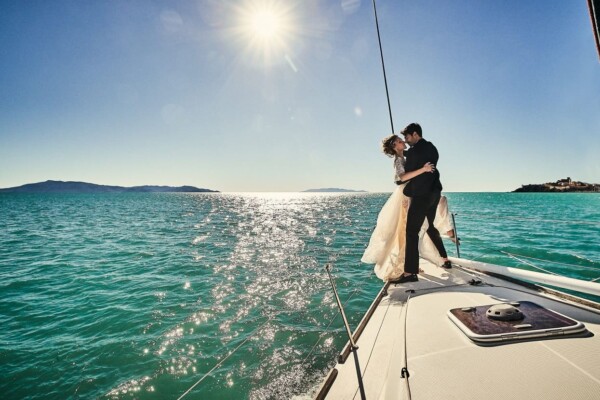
(421, 207)
(425, 192)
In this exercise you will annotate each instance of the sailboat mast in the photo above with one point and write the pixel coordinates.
(387, 93)
(594, 6)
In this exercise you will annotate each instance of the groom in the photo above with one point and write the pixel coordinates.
(425, 191)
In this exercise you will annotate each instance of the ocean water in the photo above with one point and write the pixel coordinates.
(224, 296)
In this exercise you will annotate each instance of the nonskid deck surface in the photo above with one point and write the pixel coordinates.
(443, 363)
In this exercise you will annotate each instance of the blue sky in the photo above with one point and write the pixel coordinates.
(192, 93)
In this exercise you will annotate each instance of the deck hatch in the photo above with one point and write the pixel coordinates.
(537, 321)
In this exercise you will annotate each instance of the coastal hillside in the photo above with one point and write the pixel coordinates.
(560, 186)
(84, 187)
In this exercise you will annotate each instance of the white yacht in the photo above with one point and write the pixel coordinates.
(476, 331)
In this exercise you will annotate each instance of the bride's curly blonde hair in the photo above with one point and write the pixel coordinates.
(387, 145)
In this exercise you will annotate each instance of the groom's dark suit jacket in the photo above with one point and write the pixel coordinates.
(416, 157)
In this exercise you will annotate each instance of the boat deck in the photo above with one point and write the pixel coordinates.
(413, 330)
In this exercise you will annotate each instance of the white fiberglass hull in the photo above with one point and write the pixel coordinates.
(411, 332)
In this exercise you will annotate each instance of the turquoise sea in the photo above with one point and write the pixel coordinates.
(140, 296)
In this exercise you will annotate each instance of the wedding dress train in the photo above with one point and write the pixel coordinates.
(388, 241)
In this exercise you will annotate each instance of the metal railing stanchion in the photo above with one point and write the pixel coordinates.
(456, 239)
(353, 345)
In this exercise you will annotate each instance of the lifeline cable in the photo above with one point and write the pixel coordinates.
(518, 218)
(529, 263)
(334, 317)
(487, 251)
(256, 330)
(224, 359)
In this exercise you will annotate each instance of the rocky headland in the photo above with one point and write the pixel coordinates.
(560, 186)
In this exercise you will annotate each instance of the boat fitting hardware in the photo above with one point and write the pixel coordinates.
(504, 312)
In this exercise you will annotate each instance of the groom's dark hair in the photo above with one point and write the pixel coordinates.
(414, 127)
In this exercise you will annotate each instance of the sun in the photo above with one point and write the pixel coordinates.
(265, 24)
(266, 30)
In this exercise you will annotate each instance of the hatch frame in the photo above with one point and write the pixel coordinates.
(543, 323)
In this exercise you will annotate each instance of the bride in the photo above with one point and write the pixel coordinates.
(388, 241)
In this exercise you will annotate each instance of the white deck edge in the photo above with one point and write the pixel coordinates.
(535, 277)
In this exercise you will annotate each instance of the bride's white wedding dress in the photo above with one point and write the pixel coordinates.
(388, 240)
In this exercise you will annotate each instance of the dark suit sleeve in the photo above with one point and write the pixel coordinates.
(412, 160)
(420, 154)
(432, 154)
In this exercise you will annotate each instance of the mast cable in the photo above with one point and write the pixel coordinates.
(387, 93)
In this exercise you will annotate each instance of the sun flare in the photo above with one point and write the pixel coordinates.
(265, 24)
(266, 30)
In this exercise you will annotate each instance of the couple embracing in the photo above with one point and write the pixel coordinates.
(416, 205)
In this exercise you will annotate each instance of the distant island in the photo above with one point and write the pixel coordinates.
(560, 186)
(334, 190)
(84, 187)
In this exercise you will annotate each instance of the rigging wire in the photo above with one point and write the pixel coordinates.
(335, 316)
(530, 264)
(552, 262)
(273, 316)
(558, 221)
(488, 250)
(387, 93)
(524, 259)
(224, 359)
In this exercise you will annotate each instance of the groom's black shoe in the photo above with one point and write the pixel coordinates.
(406, 278)
(447, 265)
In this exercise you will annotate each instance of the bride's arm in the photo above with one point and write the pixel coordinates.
(429, 167)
